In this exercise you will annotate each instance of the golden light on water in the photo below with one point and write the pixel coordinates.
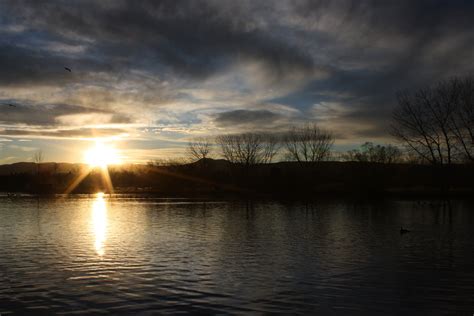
(99, 223)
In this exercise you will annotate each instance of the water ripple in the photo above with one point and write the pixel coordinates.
(86, 255)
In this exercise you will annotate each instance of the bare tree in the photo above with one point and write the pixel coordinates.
(228, 147)
(368, 152)
(167, 162)
(391, 154)
(240, 148)
(38, 159)
(461, 123)
(413, 127)
(308, 143)
(437, 123)
(271, 145)
(199, 148)
(248, 148)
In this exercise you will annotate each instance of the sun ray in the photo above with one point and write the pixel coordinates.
(99, 158)
(106, 178)
(84, 173)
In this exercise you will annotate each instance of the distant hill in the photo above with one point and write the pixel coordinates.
(212, 164)
(56, 167)
(31, 167)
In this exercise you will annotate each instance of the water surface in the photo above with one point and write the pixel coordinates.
(143, 255)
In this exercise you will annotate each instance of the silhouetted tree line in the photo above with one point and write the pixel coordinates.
(248, 148)
(214, 178)
(307, 143)
(368, 152)
(304, 144)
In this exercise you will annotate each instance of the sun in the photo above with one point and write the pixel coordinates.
(102, 155)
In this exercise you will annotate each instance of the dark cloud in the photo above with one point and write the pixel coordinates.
(32, 66)
(191, 38)
(396, 44)
(64, 133)
(379, 47)
(23, 65)
(245, 117)
(49, 114)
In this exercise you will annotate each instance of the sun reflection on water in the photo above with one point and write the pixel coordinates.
(99, 223)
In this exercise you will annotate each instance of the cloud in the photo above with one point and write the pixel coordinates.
(91, 119)
(28, 65)
(246, 117)
(348, 125)
(56, 114)
(79, 133)
(194, 39)
(23, 148)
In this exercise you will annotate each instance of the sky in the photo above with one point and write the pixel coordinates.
(148, 76)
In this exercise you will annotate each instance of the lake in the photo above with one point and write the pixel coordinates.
(122, 255)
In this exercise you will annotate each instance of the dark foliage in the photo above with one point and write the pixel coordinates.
(214, 178)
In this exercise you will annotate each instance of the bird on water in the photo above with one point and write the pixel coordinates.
(403, 230)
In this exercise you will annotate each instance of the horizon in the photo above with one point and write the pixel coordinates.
(149, 77)
(243, 157)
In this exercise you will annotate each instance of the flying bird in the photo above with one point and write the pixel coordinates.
(68, 69)
(12, 105)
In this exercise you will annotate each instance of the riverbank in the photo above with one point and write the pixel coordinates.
(219, 178)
